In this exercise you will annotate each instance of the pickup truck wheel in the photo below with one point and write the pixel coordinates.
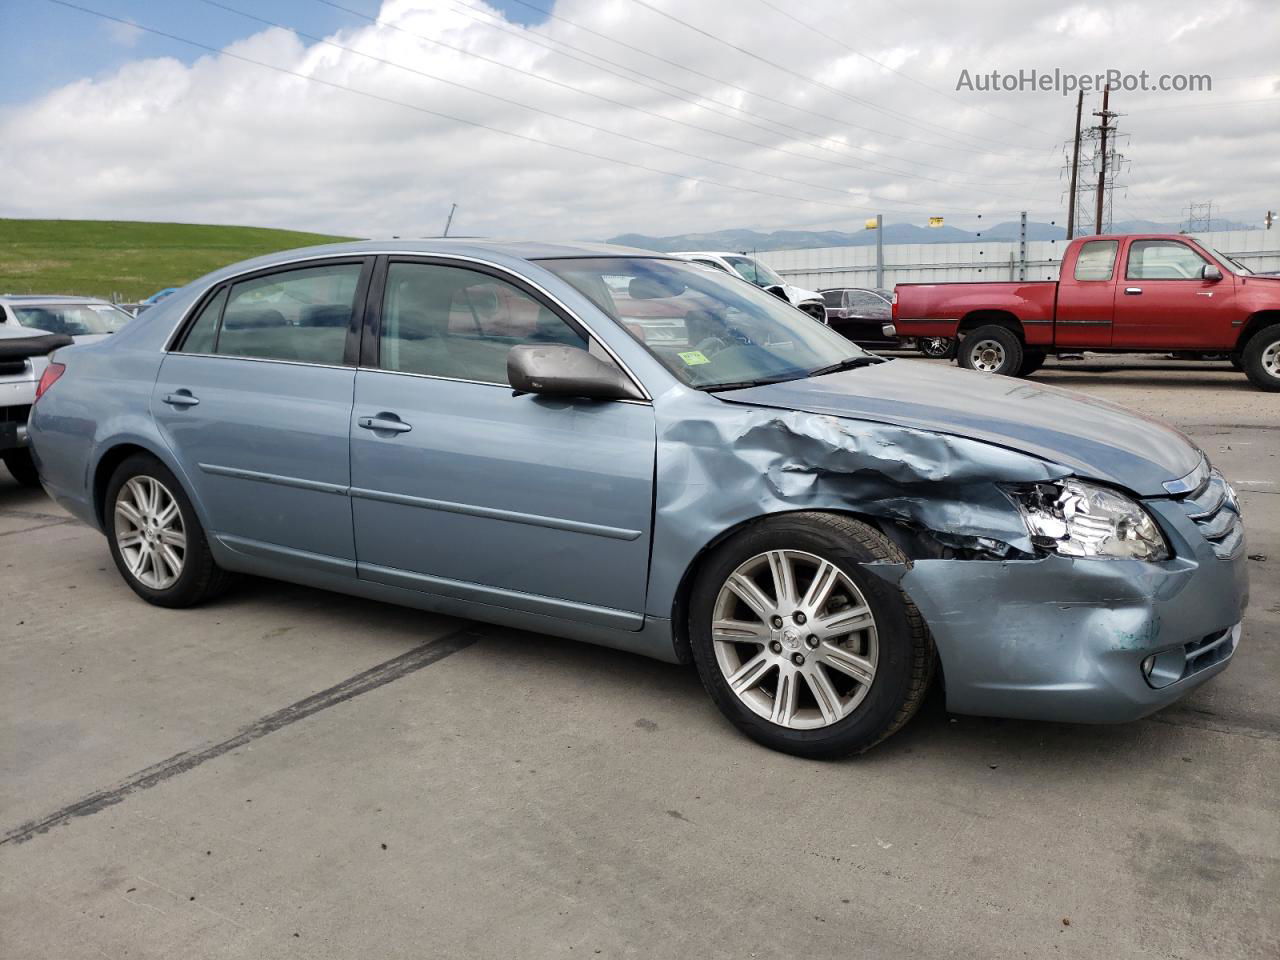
(1032, 360)
(938, 348)
(22, 467)
(1262, 359)
(992, 350)
(800, 646)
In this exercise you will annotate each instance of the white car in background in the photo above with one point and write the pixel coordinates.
(753, 271)
(30, 327)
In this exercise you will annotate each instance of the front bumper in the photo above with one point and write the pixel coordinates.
(1064, 639)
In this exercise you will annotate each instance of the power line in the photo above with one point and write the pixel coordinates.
(861, 166)
(884, 66)
(733, 86)
(922, 124)
(445, 116)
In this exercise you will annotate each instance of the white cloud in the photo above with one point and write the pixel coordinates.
(222, 140)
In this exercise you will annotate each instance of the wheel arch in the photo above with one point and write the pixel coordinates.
(991, 318)
(1256, 323)
(680, 602)
(117, 453)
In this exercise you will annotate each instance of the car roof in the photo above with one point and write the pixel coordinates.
(707, 253)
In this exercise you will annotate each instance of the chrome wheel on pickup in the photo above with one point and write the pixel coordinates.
(992, 349)
(1261, 359)
(800, 646)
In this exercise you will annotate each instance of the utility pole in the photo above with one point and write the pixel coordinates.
(1075, 171)
(879, 251)
(1106, 115)
(1200, 217)
(1269, 218)
(448, 223)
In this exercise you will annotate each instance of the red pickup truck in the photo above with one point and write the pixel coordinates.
(1141, 293)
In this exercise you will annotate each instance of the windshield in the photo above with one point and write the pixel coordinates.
(1236, 265)
(755, 271)
(73, 319)
(710, 330)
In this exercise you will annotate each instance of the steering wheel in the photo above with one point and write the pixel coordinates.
(710, 346)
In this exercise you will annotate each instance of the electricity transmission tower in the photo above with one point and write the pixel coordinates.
(1200, 217)
(1093, 165)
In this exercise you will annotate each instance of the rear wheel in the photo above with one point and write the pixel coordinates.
(938, 348)
(992, 349)
(1262, 358)
(156, 540)
(802, 648)
(22, 467)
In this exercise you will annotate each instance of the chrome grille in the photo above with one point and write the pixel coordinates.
(1214, 509)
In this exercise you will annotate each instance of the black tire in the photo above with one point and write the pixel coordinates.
(1032, 360)
(992, 349)
(200, 578)
(1261, 358)
(937, 348)
(905, 649)
(22, 467)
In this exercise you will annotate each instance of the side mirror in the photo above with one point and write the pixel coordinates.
(777, 290)
(1210, 273)
(556, 370)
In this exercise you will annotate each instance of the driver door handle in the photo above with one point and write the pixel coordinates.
(182, 398)
(384, 422)
(1133, 291)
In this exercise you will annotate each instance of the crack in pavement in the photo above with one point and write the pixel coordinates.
(383, 673)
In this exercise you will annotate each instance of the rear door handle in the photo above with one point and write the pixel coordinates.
(384, 422)
(1133, 291)
(182, 398)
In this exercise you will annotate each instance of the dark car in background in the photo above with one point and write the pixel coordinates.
(862, 315)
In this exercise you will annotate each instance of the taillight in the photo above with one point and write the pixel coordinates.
(50, 376)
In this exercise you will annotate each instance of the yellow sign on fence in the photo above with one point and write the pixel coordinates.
(935, 221)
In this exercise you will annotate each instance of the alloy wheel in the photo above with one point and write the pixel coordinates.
(149, 532)
(795, 639)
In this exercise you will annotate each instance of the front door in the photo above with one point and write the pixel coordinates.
(1163, 303)
(462, 489)
(255, 403)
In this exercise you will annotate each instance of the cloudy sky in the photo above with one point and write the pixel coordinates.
(587, 118)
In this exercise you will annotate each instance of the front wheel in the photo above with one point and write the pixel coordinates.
(800, 646)
(1262, 359)
(155, 537)
(992, 349)
(22, 467)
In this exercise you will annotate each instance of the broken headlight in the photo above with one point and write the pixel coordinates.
(1078, 519)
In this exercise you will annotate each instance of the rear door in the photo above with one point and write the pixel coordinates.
(255, 403)
(463, 489)
(1085, 311)
(1165, 304)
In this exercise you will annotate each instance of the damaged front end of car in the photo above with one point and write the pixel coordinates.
(1047, 594)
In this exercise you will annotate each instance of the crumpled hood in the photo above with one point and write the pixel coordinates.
(1093, 438)
(798, 295)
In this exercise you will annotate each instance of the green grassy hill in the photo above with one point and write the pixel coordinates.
(130, 259)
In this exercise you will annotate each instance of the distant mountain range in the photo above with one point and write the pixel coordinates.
(752, 240)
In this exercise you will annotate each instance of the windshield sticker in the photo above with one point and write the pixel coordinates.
(693, 357)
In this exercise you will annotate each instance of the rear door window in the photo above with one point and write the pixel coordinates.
(1097, 260)
(300, 315)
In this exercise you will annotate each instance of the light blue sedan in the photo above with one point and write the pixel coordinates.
(637, 451)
